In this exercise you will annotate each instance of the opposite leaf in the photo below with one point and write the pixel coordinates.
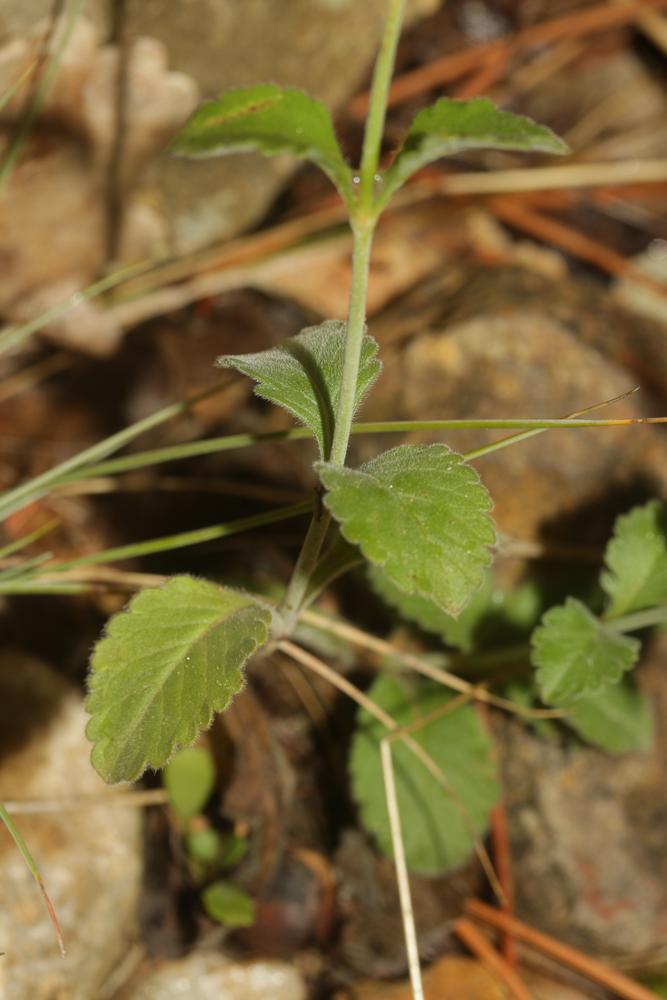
(271, 120)
(458, 632)
(576, 654)
(617, 718)
(304, 375)
(421, 513)
(438, 828)
(636, 559)
(167, 663)
(450, 126)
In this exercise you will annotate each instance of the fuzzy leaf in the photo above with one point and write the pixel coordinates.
(189, 779)
(576, 654)
(636, 559)
(436, 834)
(304, 375)
(167, 663)
(458, 632)
(422, 514)
(617, 718)
(271, 120)
(450, 126)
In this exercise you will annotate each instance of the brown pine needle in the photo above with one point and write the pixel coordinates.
(489, 957)
(626, 988)
(451, 67)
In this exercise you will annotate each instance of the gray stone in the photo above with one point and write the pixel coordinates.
(322, 46)
(89, 858)
(210, 976)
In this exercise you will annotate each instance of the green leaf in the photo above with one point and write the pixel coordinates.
(204, 846)
(234, 850)
(436, 835)
(422, 514)
(304, 375)
(450, 126)
(617, 718)
(636, 558)
(228, 905)
(189, 779)
(271, 120)
(458, 632)
(576, 654)
(167, 663)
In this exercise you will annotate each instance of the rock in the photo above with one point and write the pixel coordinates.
(210, 976)
(324, 47)
(84, 197)
(371, 940)
(587, 833)
(90, 859)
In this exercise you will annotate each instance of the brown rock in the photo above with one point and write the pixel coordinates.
(587, 833)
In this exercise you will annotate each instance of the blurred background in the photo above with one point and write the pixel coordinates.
(502, 286)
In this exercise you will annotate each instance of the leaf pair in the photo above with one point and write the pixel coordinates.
(274, 120)
(420, 513)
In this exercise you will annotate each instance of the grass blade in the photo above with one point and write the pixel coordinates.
(34, 871)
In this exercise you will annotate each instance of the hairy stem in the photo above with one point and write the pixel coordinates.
(356, 325)
(638, 620)
(363, 220)
(304, 568)
(384, 67)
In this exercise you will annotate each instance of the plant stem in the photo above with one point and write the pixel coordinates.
(356, 325)
(639, 619)
(384, 67)
(304, 568)
(363, 221)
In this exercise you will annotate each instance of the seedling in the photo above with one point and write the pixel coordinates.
(419, 516)
(190, 779)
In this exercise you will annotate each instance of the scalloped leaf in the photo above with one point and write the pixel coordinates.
(636, 560)
(437, 837)
(458, 632)
(421, 513)
(618, 718)
(167, 663)
(305, 374)
(576, 654)
(450, 126)
(269, 119)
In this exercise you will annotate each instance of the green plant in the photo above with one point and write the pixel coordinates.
(419, 516)
(175, 656)
(189, 779)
